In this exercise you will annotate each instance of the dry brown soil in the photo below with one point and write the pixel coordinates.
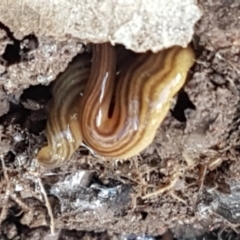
(185, 184)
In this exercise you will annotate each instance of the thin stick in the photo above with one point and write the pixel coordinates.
(7, 193)
(47, 203)
(166, 188)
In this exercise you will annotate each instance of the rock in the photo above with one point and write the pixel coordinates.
(139, 25)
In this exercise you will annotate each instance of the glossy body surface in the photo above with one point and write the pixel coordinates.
(63, 132)
(125, 98)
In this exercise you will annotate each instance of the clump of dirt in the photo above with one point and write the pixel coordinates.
(32, 61)
(186, 181)
(218, 27)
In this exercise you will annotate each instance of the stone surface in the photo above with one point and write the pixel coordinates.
(139, 25)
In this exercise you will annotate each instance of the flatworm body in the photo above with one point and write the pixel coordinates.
(125, 98)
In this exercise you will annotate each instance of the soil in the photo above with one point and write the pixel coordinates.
(185, 185)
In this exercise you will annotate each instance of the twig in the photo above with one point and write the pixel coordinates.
(47, 203)
(166, 188)
(7, 193)
(20, 203)
(174, 195)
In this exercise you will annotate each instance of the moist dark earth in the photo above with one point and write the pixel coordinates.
(184, 186)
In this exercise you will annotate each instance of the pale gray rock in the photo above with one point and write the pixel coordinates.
(140, 25)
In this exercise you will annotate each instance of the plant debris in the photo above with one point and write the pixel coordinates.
(185, 184)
